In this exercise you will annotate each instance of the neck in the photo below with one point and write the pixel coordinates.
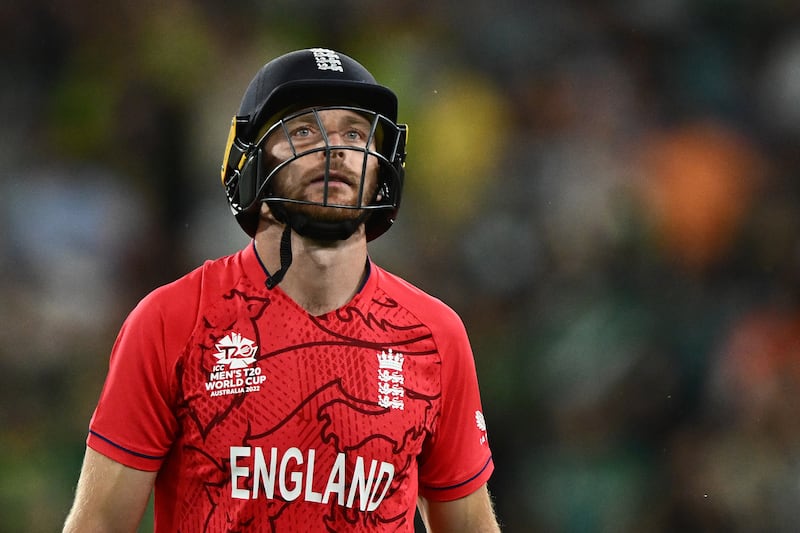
(324, 275)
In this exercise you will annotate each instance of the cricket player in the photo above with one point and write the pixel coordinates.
(295, 385)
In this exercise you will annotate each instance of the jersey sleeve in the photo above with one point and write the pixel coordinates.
(133, 422)
(457, 460)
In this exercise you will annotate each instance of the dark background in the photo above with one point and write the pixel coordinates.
(607, 192)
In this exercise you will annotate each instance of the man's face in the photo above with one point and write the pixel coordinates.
(304, 179)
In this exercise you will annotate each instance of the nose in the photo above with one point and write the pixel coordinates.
(336, 139)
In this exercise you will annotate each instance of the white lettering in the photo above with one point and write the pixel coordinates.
(297, 477)
(310, 495)
(387, 469)
(336, 483)
(226, 392)
(238, 471)
(361, 482)
(224, 384)
(260, 471)
(225, 374)
(254, 380)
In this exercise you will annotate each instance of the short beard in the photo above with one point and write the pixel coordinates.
(322, 213)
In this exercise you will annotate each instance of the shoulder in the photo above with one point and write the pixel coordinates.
(429, 309)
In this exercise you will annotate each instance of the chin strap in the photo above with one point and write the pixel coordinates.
(286, 259)
(305, 226)
(324, 231)
(316, 229)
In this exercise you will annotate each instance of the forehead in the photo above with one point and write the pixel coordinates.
(347, 116)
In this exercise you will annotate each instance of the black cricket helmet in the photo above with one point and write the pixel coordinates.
(303, 80)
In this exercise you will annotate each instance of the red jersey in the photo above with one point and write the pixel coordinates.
(261, 417)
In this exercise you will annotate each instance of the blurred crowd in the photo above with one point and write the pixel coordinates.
(607, 192)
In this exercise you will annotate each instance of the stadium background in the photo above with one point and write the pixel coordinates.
(606, 191)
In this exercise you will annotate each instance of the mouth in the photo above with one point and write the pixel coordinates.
(334, 179)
